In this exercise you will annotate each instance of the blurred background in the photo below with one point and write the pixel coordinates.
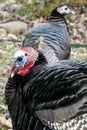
(18, 16)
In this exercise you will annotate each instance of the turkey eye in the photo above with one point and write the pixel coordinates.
(65, 8)
(25, 54)
(19, 59)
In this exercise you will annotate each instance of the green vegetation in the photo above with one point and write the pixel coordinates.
(43, 7)
(36, 10)
(7, 49)
(77, 3)
(2, 1)
(3, 127)
(2, 108)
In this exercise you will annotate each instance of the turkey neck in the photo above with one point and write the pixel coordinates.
(41, 59)
(57, 19)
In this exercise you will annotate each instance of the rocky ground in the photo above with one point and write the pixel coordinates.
(11, 38)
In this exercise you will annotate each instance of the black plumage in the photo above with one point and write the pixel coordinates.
(48, 94)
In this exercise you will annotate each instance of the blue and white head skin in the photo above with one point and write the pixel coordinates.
(19, 58)
(64, 9)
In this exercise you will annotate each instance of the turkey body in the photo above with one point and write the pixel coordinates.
(51, 38)
(56, 39)
(48, 94)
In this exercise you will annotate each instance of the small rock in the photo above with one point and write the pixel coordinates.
(3, 33)
(15, 7)
(4, 14)
(12, 36)
(15, 27)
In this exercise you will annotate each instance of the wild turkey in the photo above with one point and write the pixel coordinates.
(51, 38)
(46, 97)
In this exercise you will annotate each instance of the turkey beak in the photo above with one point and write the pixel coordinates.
(73, 12)
(13, 71)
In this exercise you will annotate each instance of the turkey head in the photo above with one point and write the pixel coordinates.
(23, 60)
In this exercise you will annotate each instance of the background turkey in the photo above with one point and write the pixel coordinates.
(42, 96)
(51, 38)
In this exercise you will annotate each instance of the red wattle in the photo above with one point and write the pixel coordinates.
(23, 71)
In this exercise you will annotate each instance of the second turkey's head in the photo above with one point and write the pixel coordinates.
(62, 10)
(23, 60)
